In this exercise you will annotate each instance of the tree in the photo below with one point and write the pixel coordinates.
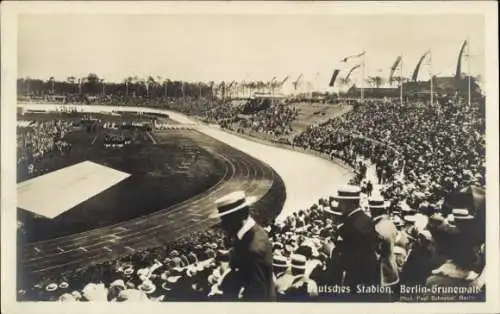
(92, 84)
(52, 82)
(165, 84)
(101, 81)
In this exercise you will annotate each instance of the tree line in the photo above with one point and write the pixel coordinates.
(150, 87)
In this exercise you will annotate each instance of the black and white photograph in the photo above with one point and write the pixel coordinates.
(288, 153)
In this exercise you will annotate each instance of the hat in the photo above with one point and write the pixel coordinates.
(63, 285)
(143, 272)
(147, 287)
(192, 258)
(436, 220)
(164, 275)
(280, 261)
(299, 261)
(174, 253)
(405, 207)
(184, 260)
(210, 253)
(66, 297)
(94, 292)
(396, 219)
(231, 203)
(332, 212)
(377, 202)
(426, 234)
(118, 283)
(131, 295)
(461, 214)
(291, 248)
(277, 246)
(410, 218)
(399, 250)
(77, 295)
(166, 286)
(51, 287)
(173, 279)
(177, 261)
(348, 192)
(450, 219)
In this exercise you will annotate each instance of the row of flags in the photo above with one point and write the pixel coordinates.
(346, 60)
(397, 64)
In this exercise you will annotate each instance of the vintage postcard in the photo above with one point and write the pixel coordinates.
(202, 155)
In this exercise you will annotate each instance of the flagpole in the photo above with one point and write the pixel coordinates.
(183, 93)
(432, 88)
(363, 79)
(401, 81)
(468, 69)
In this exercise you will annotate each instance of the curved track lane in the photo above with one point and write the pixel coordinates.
(98, 245)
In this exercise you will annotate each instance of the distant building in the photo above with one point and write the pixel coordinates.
(441, 85)
(267, 96)
(373, 92)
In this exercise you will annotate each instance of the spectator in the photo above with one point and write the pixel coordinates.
(252, 252)
(358, 246)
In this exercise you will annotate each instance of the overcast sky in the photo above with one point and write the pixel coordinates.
(237, 47)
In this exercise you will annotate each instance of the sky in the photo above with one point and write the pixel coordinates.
(218, 48)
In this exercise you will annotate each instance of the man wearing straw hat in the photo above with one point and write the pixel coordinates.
(357, 248)
(251, 257)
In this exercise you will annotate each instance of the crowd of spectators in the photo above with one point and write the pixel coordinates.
(421, 152)
(425, 156)
(273, 119)
(423, 247)
(36, 140)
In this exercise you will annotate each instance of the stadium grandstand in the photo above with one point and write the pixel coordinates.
(161, 190)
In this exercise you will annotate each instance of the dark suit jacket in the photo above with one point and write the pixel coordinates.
(357, 250)
(252, 258)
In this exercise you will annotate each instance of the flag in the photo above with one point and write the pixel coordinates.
(350, 71)
(417, 68)
(271, 81)
(334, 77)
(353, 56)
(459, 63)
(297, 81)
(393, 68)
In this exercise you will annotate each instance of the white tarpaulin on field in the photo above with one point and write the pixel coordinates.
(51, 194)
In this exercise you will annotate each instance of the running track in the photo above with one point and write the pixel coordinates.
(102, 244)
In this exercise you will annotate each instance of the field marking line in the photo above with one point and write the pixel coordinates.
(105, 248)
(151, 137)
(95, 138)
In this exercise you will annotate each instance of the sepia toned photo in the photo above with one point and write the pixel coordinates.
(173, 157)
